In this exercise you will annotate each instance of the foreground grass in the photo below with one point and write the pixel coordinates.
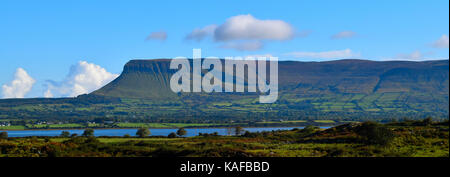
(409, 140)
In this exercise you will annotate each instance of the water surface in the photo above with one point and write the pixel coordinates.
(132, 132)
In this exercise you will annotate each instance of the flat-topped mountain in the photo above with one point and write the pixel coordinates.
(341, 89)
(151, 78)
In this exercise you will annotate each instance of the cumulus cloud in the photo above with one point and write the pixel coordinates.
(18, 87)
(83, 78)
(441, 42)
(344, 34)
(245, 32)
(244, 46)
(247, 27)
(160, 35)
(201, 33)
(336, 54)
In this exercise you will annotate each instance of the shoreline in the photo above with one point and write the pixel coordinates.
(161, 128)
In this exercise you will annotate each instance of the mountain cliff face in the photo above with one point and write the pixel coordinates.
(151, 78)
(342, 88)
(141, 79)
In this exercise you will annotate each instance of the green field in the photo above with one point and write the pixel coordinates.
(400, 139)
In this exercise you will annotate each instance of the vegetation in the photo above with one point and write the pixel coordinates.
(373, 133)
(88, 132)
(407, 138)
(65, 134)
(3, 135)
(142, 132)
(238, 130)
(326, 93)
(181, 132)
(172, 135)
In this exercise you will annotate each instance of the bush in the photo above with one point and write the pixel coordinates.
(88, 132)
(65, 134)
(172, 135)
(374, 133)
(181, 132)
(3, 135)
(143, 132)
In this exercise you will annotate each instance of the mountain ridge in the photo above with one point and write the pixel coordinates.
(338, 90)
(300, 73)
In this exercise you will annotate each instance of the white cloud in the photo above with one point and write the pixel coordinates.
(83, 78)
(244, 45)
(160, 35)
(20, 86)
(441, 42)
(245, 32)
(246, 27)
(336, 54)
(343, 34)
(201, 33)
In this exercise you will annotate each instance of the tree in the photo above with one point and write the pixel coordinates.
(143, 132)
(428, 121)
(238, 130)
(247, 134)
(172, 135)
(65, 134)
(374, 133)
(181, 132)
(3, 135)
(88, 132)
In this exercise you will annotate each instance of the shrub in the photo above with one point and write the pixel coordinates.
(374, 133)
(65, 134)
(143, 132)
(88, 132)
(3, 135)
(172, 135)
(181, 132)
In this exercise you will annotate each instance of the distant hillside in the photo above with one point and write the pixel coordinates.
(150, 78)
(342, 89)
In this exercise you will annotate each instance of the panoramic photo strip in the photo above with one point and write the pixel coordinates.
(223, 87)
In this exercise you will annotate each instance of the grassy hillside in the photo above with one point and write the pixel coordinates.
(338, 90)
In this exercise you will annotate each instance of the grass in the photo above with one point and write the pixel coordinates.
(324, 121)
(13, 127)
(409, 141)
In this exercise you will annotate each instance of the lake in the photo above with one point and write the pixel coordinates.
(132, 132)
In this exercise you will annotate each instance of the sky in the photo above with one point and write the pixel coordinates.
(67, 48)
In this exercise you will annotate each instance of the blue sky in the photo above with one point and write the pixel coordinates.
(47, 38)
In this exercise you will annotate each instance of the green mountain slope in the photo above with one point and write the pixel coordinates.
(342, 89)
